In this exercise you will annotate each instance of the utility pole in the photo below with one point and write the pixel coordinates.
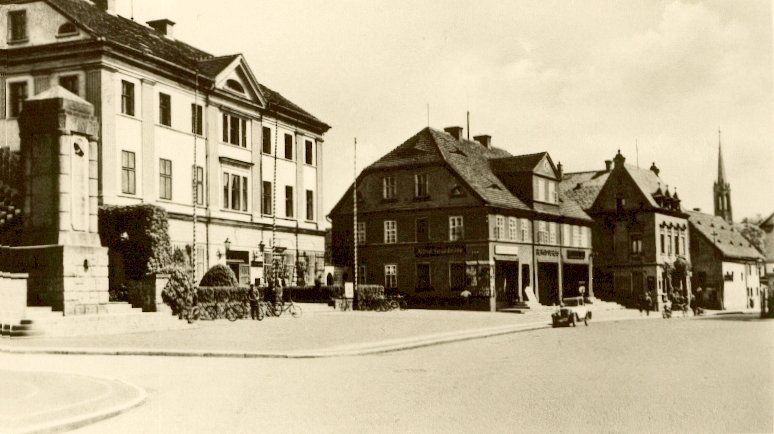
(354, 214)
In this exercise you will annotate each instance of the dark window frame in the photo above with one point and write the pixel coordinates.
(424, 283)
(266, 140)
(266, 197)
(199, 185)
(309, 205)
(289, 201)
(309, 152)
(128, 172)
(197, 119)
(288, 146)
(16, 98)
(67, 81)
(165, 179)
(165, 109)
(17, 26)
(127, 98)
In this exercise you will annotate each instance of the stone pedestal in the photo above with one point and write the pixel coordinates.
(60, 246)
(146, 293)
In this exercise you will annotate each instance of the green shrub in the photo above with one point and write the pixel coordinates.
(221, 294)
(140, 233)
(174, 294)
(219, 275)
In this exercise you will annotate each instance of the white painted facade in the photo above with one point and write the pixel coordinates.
(154, 144)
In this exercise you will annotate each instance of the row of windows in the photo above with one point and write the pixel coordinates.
(235, 187)
(544, 190)
(288, 151)
(456, 231)
(18, 92)
(519, 230)
(672, 242)
(457, 277)
(390, 187)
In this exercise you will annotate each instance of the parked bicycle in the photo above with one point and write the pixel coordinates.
(345, 304)
(290, 306)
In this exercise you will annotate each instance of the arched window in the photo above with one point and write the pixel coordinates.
(235, 86)
(67, 29)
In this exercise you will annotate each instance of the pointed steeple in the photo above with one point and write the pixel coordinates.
(721, 167)
(722, 189)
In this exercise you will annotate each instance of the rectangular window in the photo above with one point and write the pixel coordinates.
(635, 244)
(266, 198)
(513, 231)
(197, 119)
(128, 174)
(585, 236)
(525, 233)
(309, 152)
(423, 277)
(541, 189)
(422, 232)
(236, 192)
(244, 274)
(669, 243)
(682, 245)
(17, 95)
(390, 232)
(390, 275)
(577, 236)
(535, 188)
(199, 183)
(677, 244)
(361, 233)
(244, 193)
(266, 140)
(566, 241)
(200, 262)
(165, 179)
(551, 192)
(542, 233)
(226, 190)
(388, 187)
(69, 82)
(17, 25)
(288, 146)
(456, 228)
(165, 109)
(309, 205)
(420, 186)
(662, 243)
(288, 201)
(127, 98)
(361, 275)
(499, 228)
(234, 130)
(552, 233)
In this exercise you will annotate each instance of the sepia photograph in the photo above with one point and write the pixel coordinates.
(337, 216)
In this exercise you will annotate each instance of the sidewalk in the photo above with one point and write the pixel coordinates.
(316, 334)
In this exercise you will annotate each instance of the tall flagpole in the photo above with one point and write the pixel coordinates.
(354, 213)
(195, 170)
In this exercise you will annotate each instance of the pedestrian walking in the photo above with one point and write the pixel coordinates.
(648, 302)
(253, 297)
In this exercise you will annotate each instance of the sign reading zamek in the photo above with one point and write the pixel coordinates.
(431, 250)
(544, 252)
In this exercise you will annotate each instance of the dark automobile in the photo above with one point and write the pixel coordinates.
(572, 311)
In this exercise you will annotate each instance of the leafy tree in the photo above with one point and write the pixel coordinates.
(753, 233)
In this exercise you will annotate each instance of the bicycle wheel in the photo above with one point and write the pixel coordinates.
(277, 309)
(403, 305)
(393, 304)
(230, 313)
(295, 310)
(193, 314)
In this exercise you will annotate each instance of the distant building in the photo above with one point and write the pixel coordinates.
(440, 214)
(726, 266)
(161, 101)
(641, 236)
(767, 226)
(722, 190)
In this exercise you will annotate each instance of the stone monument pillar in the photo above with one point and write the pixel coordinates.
(59, 241)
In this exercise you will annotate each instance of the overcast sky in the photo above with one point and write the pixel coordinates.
(579, 79)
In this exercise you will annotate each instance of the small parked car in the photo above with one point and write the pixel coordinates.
(572, 311)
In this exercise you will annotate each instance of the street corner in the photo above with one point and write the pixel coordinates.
(37, 402)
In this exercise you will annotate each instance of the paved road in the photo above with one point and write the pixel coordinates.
(678, 375)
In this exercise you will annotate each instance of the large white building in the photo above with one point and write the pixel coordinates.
(171, 114)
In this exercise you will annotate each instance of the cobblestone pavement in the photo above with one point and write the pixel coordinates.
(313, 331)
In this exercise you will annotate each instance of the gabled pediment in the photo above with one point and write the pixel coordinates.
(237, 79)
(546, 168)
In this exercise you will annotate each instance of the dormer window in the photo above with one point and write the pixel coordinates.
(67, 29)
(17, 26)
(235, 86)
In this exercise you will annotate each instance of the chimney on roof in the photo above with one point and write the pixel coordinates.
(164, 26)
(654, 169)
(108, 6)
(608, 165)
(559, 169)
(456, 132)
(485, 140)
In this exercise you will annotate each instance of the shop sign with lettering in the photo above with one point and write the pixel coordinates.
(439, 250)
(546, 252)
(576, 254)
(506, 250)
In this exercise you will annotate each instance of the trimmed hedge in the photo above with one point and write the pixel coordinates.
(219, 275)
(146, 249)
(174, 293)
(369, 292)
(313, 293)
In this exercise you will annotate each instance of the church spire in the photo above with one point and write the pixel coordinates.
(722, 189)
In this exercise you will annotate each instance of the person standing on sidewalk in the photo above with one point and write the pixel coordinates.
(252, 297)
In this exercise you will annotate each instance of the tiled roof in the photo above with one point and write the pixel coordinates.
(518, 163)
(727, 239)
(150, 42)
(584, 187)
(471, 161)
(767, 222)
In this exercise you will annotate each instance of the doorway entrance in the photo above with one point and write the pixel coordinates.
(574, 275)
(506, 281)
(548, 283)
